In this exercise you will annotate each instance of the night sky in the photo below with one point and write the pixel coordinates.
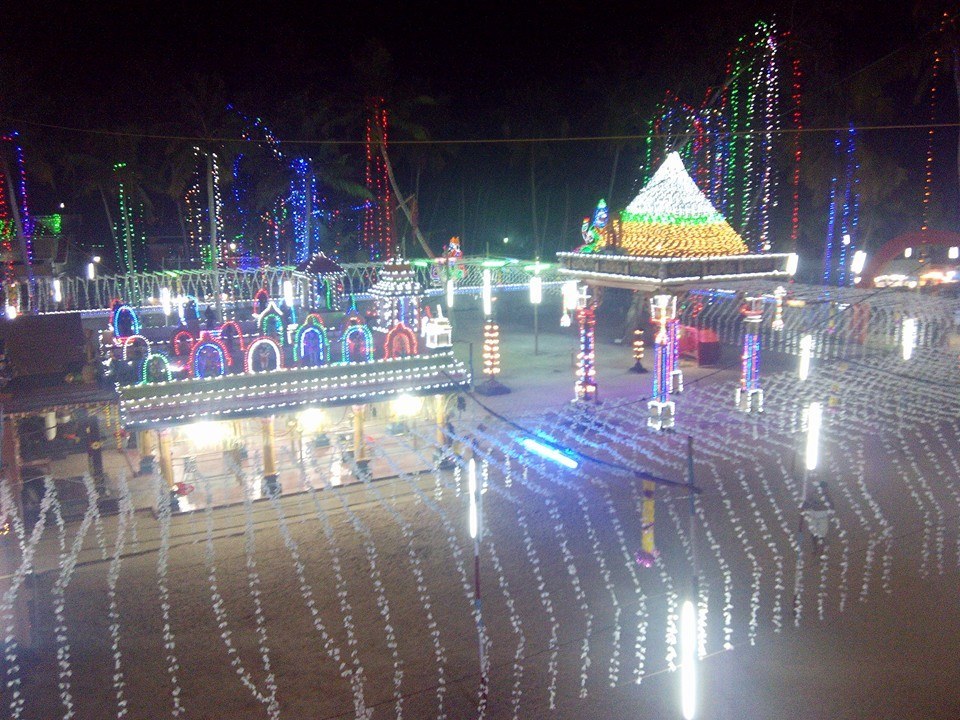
(495, 70)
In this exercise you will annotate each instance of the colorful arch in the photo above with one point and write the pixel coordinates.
(134, 320)
(255, 346)
(401, 342)
(261, 296)
(236, 328)
(351, 336)
(129, 340)
(178, 337)
(312, 326)
(207, 341)
(145, 369)
(894, 248)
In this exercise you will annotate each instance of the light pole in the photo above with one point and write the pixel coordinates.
(536, 297)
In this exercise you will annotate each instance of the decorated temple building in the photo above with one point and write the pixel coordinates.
(275, 362)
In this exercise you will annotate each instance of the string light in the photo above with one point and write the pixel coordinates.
(928, 165)
(129, 235)
(377, 213)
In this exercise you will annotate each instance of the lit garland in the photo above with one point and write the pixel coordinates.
(303, 208)
(400, 342)
(671, 217)
(129, 237)
(928, 166)
(198, 210)
(353, 334)
(727, 142)
(204, 343)
(377, 213)
(798, 127)
(491, 349)
(771, 124)
(586, 387)
(250, 359)
(848, 207)
(146, 373)
(10, 207)
(851, 206)
(134, 320)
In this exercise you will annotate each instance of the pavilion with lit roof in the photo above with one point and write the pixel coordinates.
(668, 238)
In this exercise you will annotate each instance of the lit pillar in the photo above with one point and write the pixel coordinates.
(491, 360)
(359, 444)
(638, 351)
(271, 483)
(586, 386)
(663, 310)
(443, 458)
(648, 549)
(166, 467)
(674, 373)
(749, 396)
(145, 441)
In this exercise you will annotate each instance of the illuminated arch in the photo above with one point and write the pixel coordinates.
(179, 337)
(250, 357)
(312, 327)
(207, 342)
(350, 348)
(120, 311)
(261, 301)
(401, 342)
(145, 375)
(894, 248)
(270, 322)
(130, 340)
(233, 325)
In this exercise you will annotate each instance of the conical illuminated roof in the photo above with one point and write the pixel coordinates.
(671, 217)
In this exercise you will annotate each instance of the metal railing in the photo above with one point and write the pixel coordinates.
(144, 289)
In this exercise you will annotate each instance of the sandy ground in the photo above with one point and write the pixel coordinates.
(337, 601)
